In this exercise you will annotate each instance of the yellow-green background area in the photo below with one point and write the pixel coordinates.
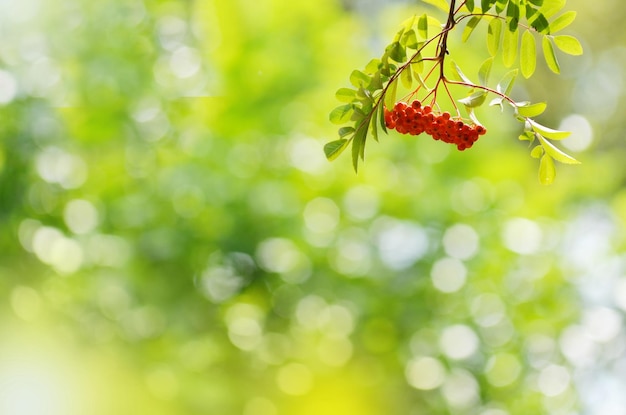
(174, 241)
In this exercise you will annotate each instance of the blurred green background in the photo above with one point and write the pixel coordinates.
(174, 241)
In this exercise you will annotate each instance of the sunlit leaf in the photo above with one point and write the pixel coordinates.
(469, 28)
(459, 73)
(360, 79)
(556, 153)
(527, 136)
(476, 99)
(372, 66)
(549, 55)
(406, 79)
(345, 131)
(528, 54)
(390, 95)
(536, 152)
(494, 34)
(441, 4)
(546, 170)
(532, 110)
(562, 21)
(341, 114)
(422, 26)
(509, 47)
(568, 44)
(548, 132)
(410, 39)
(484, 71)
(396, 52)
(506, 84)
(373, 125)
(345, 94)
(335, 148)
(551, 7)
(470, 5)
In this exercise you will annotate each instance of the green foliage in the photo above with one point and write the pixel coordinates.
(512, 29)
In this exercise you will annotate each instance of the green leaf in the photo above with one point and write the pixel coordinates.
(568, 44)
(506, 84)
(418, 65)
(536, 152)
(460, 74)
(381, 117)
(531, 110)
(345, 94)
(494, 33)
(360, 79)
(548, 132)
(470, 5)
(396, 52)
(390, 94)
(469, 28)
(540, 23)
(405, 78)
(509, 47)
(345, 131)
(485, 5)
(555, 153)
(476, 99)
(512, 15)
(410, 39)
(528, 55)
(422, 26)
(484, 71)
(549, 56)
(501, 5)
(335, 148)
(341, 114)
(372, 66)
(562, 21)
(358, 144)
(527, 136)
(551, 7)
(373, 124)
(546, 170)
(440, 4)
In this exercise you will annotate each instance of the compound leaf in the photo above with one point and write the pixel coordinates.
(474, 100)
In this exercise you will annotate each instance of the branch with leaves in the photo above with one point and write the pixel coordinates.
(419, 55)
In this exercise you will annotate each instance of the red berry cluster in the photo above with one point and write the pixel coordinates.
(415, 119)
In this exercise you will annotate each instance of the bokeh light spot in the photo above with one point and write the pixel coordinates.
(425, 373)
(503, 369)
(460, 241)
(522, 236)
(458, 342)
(448, 275)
